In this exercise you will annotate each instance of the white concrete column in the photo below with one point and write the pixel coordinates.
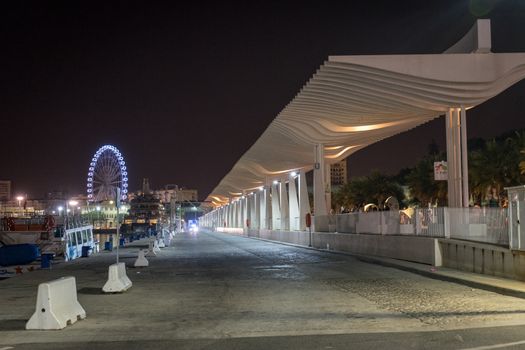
(320, 182)
(236, 210)
(268, 206)
(449, 122)
(457, 157)
(251, 210)
(244, 211)
(304, 201)
(262, 209)
(247, 209)
(264, 213)
(276, 210)
(285, 208)
(293, 200)
(464, 156)
(231, 214)
(256, 210)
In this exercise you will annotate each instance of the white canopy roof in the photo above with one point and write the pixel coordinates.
(353, 101)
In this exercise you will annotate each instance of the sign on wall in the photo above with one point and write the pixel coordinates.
(440, 171)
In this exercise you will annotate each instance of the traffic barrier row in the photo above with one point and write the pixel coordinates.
(57, 302)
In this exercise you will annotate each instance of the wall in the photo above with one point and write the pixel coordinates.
(483, 258)
(410, 248)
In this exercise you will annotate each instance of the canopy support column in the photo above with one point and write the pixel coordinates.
(294, 203)
(276, 210)
(457, 157)
(285, 208)
(304, 201)
(320, 182)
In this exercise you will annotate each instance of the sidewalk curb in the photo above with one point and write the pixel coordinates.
(443, 277)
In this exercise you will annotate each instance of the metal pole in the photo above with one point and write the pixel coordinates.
(117, 205)
(118, 233)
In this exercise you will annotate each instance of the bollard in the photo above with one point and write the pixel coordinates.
(45, 260)
(151, 252)
(56, 305)
(156, 248)
(117, 281)
(141, 260)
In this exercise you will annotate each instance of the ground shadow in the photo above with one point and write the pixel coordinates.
(12, 325)
(90, 291)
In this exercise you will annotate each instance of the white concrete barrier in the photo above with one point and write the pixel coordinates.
(118, 281)
(167, 240)
(141, 260)
(156, 248)
(151, 252)
(56, 305)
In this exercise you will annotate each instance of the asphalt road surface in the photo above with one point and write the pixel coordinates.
(216, 291)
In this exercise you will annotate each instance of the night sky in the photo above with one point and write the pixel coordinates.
(184, 90)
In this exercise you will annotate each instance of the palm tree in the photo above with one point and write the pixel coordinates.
(374, 188)
(494, 167)
(422, 186)
(522, 163)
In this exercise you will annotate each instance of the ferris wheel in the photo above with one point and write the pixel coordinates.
(107, 173)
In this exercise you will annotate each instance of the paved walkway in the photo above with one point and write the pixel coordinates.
(219, 291)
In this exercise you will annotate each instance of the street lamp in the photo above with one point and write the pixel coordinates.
(19, 199)
(98, 215)
(72, 203)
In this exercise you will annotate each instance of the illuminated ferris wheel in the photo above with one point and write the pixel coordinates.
(107, 173)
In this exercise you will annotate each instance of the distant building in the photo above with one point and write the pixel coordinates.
(5, 190)
(170, 193)
(26, 207)
(178, 194)
(338, 173)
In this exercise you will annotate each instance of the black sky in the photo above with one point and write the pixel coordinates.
(184, 90)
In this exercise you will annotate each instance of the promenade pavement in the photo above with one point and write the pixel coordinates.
(213, 290)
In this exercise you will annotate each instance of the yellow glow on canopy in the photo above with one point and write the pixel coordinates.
(339, 128)
(346, 149)
(252, 166)
(218, 199)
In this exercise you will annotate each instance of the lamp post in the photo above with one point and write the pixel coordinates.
(98, 215)
(73, 203)
(20, 199)
(194, 209)
(117, 206)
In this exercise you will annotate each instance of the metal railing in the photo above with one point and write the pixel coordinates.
(489, 225)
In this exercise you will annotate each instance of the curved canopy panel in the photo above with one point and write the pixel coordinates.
(354, 101)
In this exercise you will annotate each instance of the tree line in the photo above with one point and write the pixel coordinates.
(493, 165)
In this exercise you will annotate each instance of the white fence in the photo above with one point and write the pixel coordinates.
(489, 225)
